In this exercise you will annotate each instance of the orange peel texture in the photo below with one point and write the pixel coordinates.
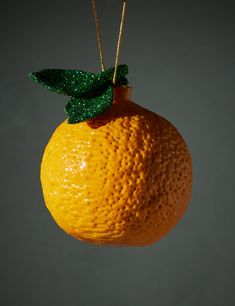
(123, 178)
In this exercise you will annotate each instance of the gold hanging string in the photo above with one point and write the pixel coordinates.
(100, 40)
(98, 32)
(119, 41)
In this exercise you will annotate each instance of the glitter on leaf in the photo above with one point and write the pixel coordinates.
(91, 93)
(81, 109)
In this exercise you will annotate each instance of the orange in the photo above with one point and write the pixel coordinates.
(123, 178)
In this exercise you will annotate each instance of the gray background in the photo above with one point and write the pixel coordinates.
(181, 60)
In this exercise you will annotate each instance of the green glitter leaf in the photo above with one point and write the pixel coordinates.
(75, 83)
(91, 93)
(107, 75)
(81, 109)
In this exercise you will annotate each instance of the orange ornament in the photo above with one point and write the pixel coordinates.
(113, 173)
(122, 178)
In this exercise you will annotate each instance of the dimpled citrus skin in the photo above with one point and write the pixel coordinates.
(123, 178)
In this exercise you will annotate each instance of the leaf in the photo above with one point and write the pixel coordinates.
(107, 75)
(81, 109)
(75, 83)
(78, 83)
(91, 93)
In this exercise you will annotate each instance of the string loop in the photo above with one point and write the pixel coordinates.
(100, 39)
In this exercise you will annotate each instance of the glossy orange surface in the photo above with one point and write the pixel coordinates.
(123, 178)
